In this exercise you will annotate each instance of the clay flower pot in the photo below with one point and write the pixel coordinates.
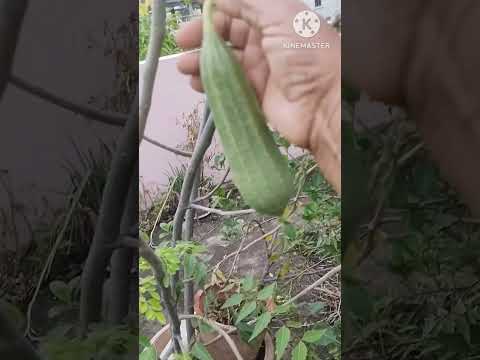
(220, 350)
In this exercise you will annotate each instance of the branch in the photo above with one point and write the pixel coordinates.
(217, 328)
(107, 229)
(149, 255)
(157, 33)
(105, 117)
(201, 147)
(222, 212)
(188, 296)
(11, 19)
(168, 148)
(207, 196)
(232, 254)
(320, 281)
(121, 259)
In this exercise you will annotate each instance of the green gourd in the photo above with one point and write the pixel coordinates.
(259, 170)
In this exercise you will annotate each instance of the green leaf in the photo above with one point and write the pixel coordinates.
(282, 309)
(246, 310)
(313, 336)
(266, 293)
(248, 283)
(300, 352)
(261, 324)
(189, 266)
(327, 337)
(148, 353)
(233, 300)
(294, 324)
(60, 290)
(201, 352)
(281, 341)
(143, 341)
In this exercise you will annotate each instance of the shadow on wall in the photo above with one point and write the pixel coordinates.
(53, 37)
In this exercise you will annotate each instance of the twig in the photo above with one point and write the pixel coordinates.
(222, 332)
(159, 215)
(149, 255)
(222, 212)
(271, 232)
(51, 256)
(168, 148)
(410, 154)
(320, 281)
(207, 196)
(157, 33)
(105, 117)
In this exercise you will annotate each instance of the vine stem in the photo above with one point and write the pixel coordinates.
(222, 212)
(168, 148)
(106, 117)
(210, 194)
(157, 33)
(107, 228)
(320, 281)
(217, 328)
(165, 295)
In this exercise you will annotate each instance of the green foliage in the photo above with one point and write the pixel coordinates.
(169, 44)
(282, 338)
(232, 229)
(66, 293)
(200, 352)
(103, 342)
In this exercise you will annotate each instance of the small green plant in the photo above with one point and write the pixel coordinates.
(67, 294)
(232, 229)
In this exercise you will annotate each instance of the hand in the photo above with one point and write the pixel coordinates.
(299, 88)
(421, 55)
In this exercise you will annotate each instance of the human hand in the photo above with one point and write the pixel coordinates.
(299, 88)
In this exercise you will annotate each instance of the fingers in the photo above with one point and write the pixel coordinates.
(189, 64)
(189, 36)
(196, 84)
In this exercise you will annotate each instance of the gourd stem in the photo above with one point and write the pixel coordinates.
(208, 16)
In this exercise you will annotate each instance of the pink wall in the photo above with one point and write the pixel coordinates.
(172, 98)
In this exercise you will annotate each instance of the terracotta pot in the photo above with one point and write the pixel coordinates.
(220, 350)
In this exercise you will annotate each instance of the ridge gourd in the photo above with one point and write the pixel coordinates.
(259, 170)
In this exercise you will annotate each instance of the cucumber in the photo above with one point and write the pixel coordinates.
(259, 170)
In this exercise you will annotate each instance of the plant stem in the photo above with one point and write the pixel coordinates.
(108, 226)
(121, 261)
(168, 148)
(11, 19)
(320, 281)
(105, 117)
(210, 194)
(217, 328)
(165, 295)
(157, 33)
(222, 212)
